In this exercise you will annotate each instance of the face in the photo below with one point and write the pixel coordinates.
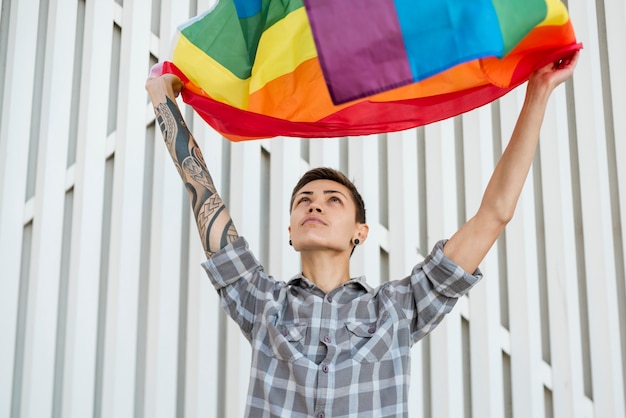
(323, 216)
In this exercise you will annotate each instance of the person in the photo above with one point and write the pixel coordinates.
(325, 344)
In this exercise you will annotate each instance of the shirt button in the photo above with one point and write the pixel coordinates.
(329, 298)
(327, 339)
(371, 330)
(324, 368)
(321, 415)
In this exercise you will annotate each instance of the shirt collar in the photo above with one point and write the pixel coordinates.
(355, 282)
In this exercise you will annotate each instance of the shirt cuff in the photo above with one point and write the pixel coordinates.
(231, 263)
(448, 277)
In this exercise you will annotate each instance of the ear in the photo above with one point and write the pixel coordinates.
(361, 232)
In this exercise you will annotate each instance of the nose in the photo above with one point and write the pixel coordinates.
(317, 209)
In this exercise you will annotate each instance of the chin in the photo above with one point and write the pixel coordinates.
(310, 246)
(312, 243)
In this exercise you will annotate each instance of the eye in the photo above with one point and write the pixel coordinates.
(303, 199)
(335, 199)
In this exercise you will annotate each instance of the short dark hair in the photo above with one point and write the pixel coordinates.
(326, 173)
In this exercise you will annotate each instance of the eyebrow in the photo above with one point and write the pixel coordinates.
(307, 192)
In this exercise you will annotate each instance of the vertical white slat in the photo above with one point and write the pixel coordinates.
(204, 5)
(417, 382)
(203, 312)
(403, 208)
(203, 354)
(615, 12)
(419, 389)
(615, 15)
(404, 232)
(440, 182)
(119, 375)
(484, 298)
(523, 287)
(41, 333)
(15, 122)
(363, 170)
(245, 194)
(164, 289)
(445, 341)
(284, 174)
(82, 314)
(161, 380)
(606, 357)
(566, 356)
(324, 153)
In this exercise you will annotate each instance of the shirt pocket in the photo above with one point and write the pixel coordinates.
(370, 342)
(287, 340)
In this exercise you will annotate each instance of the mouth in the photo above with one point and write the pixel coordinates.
(313, 220)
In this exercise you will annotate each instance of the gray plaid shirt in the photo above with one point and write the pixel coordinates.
(342, 354)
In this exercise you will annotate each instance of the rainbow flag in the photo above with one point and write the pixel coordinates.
(328, 68)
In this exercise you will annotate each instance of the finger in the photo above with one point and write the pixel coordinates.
(573, 59)
(156, 70)
(567, 61)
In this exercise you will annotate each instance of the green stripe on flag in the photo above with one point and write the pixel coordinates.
(232, 41)
(517, 18)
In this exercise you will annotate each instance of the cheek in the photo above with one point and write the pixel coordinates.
(348, 226)
(293, 224)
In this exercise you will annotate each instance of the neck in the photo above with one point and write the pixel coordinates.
(327, 269)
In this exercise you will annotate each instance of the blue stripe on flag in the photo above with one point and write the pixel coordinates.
(247, 8)
(463, 30)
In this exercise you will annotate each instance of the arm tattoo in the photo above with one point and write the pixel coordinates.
(215, 226)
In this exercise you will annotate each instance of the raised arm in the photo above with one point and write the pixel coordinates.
(469, 245)
(214, 223)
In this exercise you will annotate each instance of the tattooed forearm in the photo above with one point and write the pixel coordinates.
(198, 172)
(230, 233)
(214, 223)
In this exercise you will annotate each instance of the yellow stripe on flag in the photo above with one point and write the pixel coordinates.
(276, 55)
(210, 75)
(556, 14)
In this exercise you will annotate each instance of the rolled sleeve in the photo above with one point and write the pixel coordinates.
(432, 290)
(231, 263)
(447, 277)
(241, 283)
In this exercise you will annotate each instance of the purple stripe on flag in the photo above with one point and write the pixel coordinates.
(365, 53)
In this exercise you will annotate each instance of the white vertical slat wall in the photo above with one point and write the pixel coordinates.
(106, 312)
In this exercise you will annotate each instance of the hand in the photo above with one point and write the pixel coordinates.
(554, 73)
(160, 86)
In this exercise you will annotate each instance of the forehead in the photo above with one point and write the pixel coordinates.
(321, 186)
